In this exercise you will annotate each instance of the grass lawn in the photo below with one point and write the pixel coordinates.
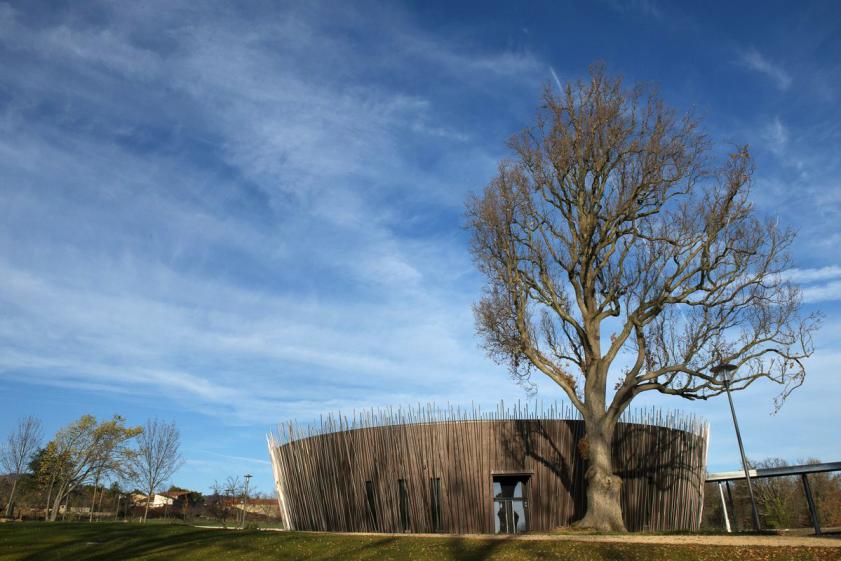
(116, 541)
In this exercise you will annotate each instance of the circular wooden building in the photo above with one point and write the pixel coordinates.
(457, 471)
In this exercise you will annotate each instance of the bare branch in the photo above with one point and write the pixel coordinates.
(157, 456)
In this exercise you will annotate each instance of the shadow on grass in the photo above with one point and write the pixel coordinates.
(473, 549)
(96, 542)
(99, 543)
(92, 543)
(125, 542)
(374, 547)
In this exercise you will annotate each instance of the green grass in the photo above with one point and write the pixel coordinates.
(115, 541)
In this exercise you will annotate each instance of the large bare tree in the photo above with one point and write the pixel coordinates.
(620, 259)
(16, 451)
(157, 457)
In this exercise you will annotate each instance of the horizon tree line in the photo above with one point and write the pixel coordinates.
(90, 453)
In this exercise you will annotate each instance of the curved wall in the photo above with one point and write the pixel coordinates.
(382, 479)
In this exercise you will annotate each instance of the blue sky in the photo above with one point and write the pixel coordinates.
(230, 217)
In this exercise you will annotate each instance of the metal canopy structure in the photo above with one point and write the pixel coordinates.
(725, 477)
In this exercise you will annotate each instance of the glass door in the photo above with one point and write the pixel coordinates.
(510, 504)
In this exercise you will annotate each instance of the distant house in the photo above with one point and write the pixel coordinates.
(265, 507)
(161, 500)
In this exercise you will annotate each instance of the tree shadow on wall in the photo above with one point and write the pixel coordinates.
(553, 444)
(653, 462)
(659, 466)
(662, 455)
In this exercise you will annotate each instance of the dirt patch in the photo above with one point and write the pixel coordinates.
(732, 540)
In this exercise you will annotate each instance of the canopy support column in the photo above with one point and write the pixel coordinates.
(813, 513)
(724, 506)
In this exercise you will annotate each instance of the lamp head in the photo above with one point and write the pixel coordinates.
(725, 370)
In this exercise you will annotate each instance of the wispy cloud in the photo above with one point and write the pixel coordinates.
(645, 7)
(819, 284)
(237, 458)
(756, 61)
(236, 219)
(241, 216)
(555, 78)
(813, 275)
(776, 136)
(828, 292)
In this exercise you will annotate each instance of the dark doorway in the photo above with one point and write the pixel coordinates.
(372, 505)
(511, 504)
(435, 503)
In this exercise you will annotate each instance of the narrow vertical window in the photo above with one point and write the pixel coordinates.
(435, 491)
(372, 505)
(404, 505)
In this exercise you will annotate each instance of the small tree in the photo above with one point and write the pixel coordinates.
(46, 473)
(220, 504)
(114, 462)
(157, 457)
(826, 489)
(17, 451)
(611, 234)
(778, 498)
(81, 451)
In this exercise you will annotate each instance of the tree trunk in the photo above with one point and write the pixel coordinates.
(604, 511)
(93, 502)
(59, 496)
(53, 514)
(146, 511)
(49, 496)
(99, 508)
(10, 507)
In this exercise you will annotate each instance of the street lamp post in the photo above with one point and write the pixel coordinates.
(727, 371)
(247, 477)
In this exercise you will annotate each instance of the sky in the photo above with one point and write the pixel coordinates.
(231, 216)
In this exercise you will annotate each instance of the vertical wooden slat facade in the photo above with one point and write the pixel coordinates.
(321, 472)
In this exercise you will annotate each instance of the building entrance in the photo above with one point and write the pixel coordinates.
(511, 504)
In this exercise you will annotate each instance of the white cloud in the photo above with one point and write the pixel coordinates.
(236, 458)
(235, 219)
(755, 60)
(776, 136)
(555, 78)
(812, 275)
(241, 217)
(813, 283)
(830, 291)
